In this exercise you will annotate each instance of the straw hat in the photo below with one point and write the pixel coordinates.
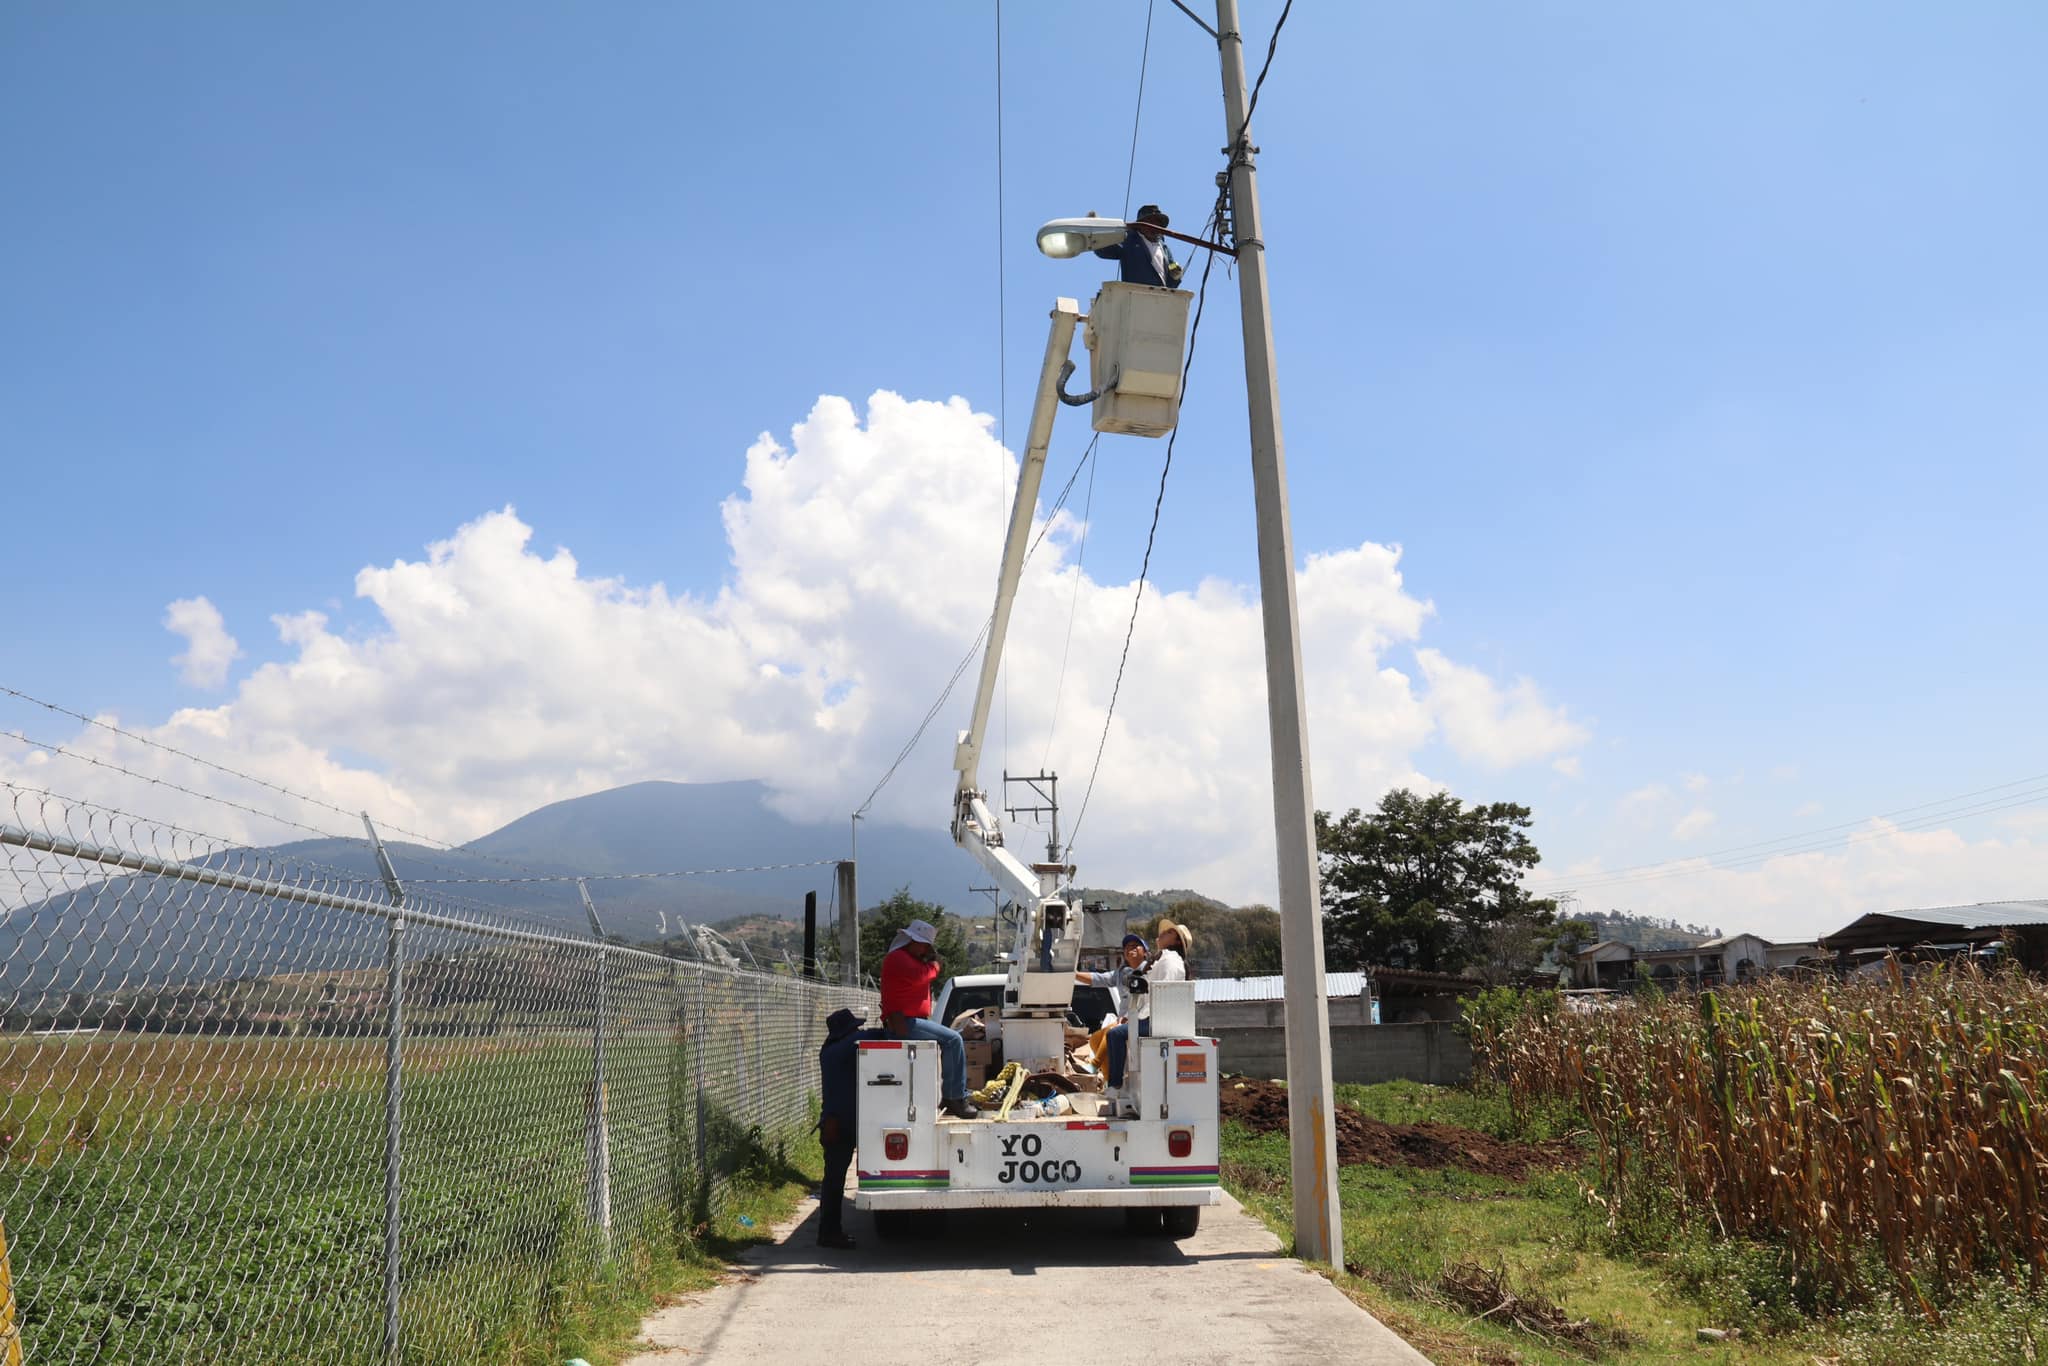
(1187, 938)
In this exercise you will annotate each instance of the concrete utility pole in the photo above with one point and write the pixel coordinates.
(1311, 1116)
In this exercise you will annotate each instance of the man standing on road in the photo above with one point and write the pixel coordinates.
(908, 971)
(838, 1087)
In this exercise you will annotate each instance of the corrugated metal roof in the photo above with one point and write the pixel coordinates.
(1984, 915)
(1272, 988)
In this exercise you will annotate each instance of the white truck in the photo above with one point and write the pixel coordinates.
(1148, 1148)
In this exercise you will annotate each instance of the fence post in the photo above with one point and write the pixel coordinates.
(598, 1138)
(849, 926)
(760, 1076)
(394, 1085)
(700, 1061)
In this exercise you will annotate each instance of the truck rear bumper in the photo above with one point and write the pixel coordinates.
(968, 1198)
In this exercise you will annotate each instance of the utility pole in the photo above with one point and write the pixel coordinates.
(1311, 1116)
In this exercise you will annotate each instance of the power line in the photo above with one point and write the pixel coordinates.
(1272, 46)
(1073, 609)
(1817, 841)
(353, 816)
(621, 877)
(1145, 565)
(1144, 57)
(972, 650)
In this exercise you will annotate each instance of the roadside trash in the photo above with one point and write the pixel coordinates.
(745, 1222)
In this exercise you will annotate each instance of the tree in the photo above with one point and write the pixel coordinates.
(1429, 883)
(879, 924)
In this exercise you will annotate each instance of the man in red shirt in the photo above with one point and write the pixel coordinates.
(908, 971)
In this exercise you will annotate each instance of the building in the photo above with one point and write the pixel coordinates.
(1731, 958)
(1404, 996)
(1945, 931)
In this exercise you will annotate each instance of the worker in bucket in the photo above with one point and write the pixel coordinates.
(908, 971)
(838, 1078)
(1143, 255)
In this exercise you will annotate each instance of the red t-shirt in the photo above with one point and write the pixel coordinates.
(907, 984)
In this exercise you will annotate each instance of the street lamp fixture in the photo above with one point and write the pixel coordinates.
(1067, 237)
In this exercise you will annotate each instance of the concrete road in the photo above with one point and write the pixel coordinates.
(1002, 1287)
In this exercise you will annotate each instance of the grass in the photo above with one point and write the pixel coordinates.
(207, 1197)
(1646, 1297)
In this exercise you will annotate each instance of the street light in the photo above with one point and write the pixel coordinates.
(1065, 237)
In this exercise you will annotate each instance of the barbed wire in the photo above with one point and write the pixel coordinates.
(624, 877)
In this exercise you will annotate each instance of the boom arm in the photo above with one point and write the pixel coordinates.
(1038, 985)
(967, 754)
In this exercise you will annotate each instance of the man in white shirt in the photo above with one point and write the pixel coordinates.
(1134, 999)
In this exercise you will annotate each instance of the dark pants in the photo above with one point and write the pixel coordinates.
(1120, 1046)
(832, 1192)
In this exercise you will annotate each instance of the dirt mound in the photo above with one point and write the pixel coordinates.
(1361, 1141)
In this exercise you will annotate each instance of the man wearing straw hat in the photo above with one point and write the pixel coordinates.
(908, 971)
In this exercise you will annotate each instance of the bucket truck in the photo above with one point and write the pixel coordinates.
(1150, 1148)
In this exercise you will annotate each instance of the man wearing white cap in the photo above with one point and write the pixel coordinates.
(908, 971)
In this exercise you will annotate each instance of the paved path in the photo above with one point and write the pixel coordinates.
(1004, 1287)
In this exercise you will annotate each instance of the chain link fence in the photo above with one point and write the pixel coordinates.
(263, 1111)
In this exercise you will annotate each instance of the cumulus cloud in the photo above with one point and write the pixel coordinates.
(1494, 725)
(497, 675)
(209, 649)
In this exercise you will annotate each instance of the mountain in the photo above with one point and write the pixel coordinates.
(142, 932)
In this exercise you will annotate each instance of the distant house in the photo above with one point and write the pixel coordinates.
(1731, 958)
(1942, 931)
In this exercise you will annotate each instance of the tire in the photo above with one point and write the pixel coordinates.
(1181, 1221)
(892, 1225)
(1142, 1221)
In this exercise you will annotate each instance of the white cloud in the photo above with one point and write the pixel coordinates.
(1697, 782)
(496, 677)
(1693, 824)
(1805, 809)
(1569, 766)
(1493, 725)
(1879, 867)
(209, 649)
(1641, 807)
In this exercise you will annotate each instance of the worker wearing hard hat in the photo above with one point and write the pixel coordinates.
(1142, 254)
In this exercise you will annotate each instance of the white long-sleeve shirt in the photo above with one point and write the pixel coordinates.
(1138, 1006)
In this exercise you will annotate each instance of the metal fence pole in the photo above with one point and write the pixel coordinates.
(598, 1138)
(394, 1086)
(849, 926)
(700, 1064)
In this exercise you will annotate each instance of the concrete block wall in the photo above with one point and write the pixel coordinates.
(1434, 1053)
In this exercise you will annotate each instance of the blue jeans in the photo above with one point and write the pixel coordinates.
(1120, 1047)
(952, 1055)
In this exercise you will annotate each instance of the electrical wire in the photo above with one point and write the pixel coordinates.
(1145, 565)
(265, 783)
(1671, 868)
(1002, 324)
(974, 649)
(1144, 57)
(1059, 686)
(1810, 834)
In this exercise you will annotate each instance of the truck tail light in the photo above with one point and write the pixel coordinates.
(1179, 1142)
(896, 1145)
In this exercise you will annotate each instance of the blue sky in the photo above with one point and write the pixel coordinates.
(1692, 357)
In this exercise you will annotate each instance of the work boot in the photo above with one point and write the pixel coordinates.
(838, 1238)
(960, 1107)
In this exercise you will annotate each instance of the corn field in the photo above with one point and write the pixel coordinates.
(1883, 1129)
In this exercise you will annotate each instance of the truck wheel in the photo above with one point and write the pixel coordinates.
(1142, 1221)
(892, 1225)
(1182, 1221)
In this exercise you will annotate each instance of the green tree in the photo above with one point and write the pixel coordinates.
(879, 924)
(1428, 882)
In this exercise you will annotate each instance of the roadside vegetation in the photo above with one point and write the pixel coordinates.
(226, 1195)
(1815, 1172)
